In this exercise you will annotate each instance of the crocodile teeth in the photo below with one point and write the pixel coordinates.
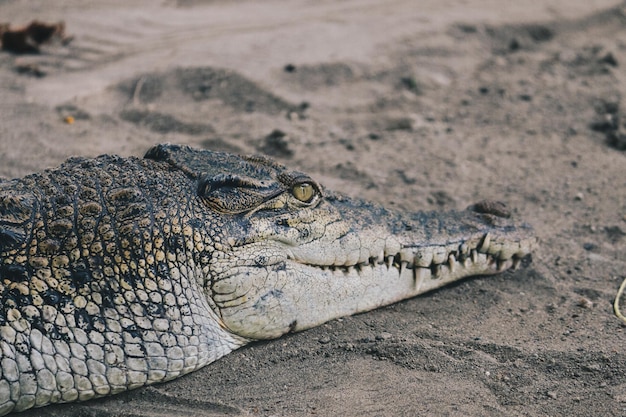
(516, 262)
(474, 255)
(420, 275)
(463, 251)
(504, 264)
(484, 246)
(451, 262)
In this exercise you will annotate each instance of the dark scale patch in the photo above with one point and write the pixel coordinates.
(175, 243)
(83, 319)
(22, 346)
(108, 298)
(13, 273)
(55, 298)
(155, 310)
(196, 223)
(37, 323)
(61, 200)
(13, 298)
(11, 237)
(49, 246)
(60, 228)
(16, 208)
(133, 331)
(132, 211)
(82, 276)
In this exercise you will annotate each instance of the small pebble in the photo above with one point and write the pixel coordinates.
(578, 197)
(324, 340)
(585, 303)
(552, 394)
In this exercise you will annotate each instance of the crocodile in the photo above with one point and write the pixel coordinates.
(116, 273)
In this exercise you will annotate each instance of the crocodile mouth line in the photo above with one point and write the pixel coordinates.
(440, 260)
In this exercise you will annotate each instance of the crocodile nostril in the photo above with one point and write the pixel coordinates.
(495, 208)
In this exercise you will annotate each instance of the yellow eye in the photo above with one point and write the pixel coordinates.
(303, 191)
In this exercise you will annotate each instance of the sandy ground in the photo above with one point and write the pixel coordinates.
(429, 106)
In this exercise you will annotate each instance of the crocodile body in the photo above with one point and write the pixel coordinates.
(117, 273)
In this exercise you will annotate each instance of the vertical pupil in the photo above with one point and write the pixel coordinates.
(303, 191)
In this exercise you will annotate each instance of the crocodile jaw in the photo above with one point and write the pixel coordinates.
(351, 267)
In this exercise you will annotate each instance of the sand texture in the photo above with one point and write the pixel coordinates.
(414, 104)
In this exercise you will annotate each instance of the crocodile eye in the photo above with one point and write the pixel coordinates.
(304, 192)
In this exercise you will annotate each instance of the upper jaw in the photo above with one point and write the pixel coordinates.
(481, 254)
(479, 240)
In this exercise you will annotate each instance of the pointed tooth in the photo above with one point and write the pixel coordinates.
(503, 265)
(451, 262)
(516, 262)
(397, 261)
(463, 251)
(420, 275)
(474, 255)
(389, 261)
(484, 246)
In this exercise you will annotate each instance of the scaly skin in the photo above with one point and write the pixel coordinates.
(117, 273)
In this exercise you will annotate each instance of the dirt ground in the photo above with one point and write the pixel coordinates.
(417, 105)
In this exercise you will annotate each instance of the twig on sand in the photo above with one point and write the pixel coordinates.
(616, 309)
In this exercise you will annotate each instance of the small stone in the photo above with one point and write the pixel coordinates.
(277, 144)
(585, 303)
(609, 59)
(579, 197)
(324, 340)
(552, 394)
(588, 246)
(400, 123)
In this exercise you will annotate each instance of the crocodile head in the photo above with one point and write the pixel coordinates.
(283, 254)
